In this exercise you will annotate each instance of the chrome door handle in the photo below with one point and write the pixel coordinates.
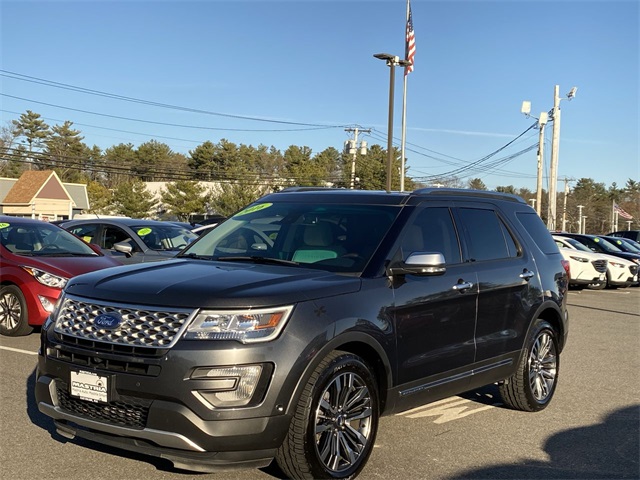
(461, 286)
(527, 275)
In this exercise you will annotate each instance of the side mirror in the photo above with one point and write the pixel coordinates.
(124, 247)
(420, 263)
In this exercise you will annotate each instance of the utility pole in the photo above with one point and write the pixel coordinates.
(542, 121)
(553, 167)
(555, 147)
(555, 144)
(351, 146)
(564, 209)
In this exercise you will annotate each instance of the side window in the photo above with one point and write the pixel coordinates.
(86, 232)
(432, 230)
(489, 238)
(538, 232)
(114, 235)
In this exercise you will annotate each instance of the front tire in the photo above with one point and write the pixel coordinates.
(14, 318)
(335, 422)
(532, 386)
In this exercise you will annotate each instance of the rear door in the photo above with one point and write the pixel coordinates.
(506, 274)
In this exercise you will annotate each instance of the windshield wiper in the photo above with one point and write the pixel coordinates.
(257, 259)
(196, 256)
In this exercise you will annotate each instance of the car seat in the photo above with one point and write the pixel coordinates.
(318, 244)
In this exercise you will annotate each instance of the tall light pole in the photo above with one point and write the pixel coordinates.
(392, 62)
(555, 146)
(580, 207)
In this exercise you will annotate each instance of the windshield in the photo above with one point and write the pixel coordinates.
(577, 245)
(41, 239)
(606, 246)
(165, 236)
(334, 237)
(624, 244)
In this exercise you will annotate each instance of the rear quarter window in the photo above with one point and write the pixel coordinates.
(537, 231)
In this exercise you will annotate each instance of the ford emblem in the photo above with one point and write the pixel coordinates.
(108, 321)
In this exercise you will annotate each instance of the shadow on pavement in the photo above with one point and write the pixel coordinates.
(608, 450)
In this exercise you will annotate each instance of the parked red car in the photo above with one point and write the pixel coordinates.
(36, 261)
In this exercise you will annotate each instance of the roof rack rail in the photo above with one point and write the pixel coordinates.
(469, 192)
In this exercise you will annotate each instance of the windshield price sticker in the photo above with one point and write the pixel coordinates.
(89, 386)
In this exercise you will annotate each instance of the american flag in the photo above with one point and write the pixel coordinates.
(621, 212)
(410, 48)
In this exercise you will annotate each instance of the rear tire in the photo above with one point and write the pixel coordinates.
(335, 422)
(532, 386)
(14, 317)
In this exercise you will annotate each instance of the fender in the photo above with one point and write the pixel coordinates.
(336, 343)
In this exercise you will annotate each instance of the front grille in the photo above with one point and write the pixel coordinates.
(129, 412)
(82, 358)
(142, 327)
(600, 265)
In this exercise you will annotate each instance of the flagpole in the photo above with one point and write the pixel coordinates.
(404, 114)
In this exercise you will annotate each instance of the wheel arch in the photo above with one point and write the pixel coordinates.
(364, 346)
(551, 313)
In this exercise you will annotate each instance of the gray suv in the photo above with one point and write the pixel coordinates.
(286, 332)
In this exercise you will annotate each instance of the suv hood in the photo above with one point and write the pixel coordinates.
(207, 284)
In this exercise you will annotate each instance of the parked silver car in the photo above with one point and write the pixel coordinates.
(131, 240)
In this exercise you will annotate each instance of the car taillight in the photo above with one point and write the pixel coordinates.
(567, 267)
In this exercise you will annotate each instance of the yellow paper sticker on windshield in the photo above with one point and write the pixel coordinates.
(3, 225)
(144, 231)
(596, 240)
(255, 208)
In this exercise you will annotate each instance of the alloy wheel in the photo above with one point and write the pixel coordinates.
(543, 366)
(343, 422)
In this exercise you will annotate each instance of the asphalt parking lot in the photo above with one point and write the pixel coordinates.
(590, 431)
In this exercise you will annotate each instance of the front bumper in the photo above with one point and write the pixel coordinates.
(156, 412)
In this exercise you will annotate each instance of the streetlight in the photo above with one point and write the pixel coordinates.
(392, 62)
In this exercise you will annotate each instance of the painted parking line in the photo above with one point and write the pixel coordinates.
(453, 408)
(18, 350)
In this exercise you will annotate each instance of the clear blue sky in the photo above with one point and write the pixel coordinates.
(312, 62)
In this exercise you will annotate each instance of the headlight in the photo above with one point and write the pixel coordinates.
(580, 259)
(46, 278)
(245, 326)
(616, 264)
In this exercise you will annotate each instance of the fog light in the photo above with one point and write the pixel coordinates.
(47, 304)
(227, 386)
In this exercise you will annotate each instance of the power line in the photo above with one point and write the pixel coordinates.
(197, 127)
(50, 83)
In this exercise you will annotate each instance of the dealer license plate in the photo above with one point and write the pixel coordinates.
(89, 386)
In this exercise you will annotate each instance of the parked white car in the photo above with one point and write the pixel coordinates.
(618, 271)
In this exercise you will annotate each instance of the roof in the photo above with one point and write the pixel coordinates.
(22, 190)
(126, 221)
(34, 182)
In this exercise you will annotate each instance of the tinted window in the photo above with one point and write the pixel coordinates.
(489, 239)
(85, 232)
(432, 231)
(537, 231)
(114, 235)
